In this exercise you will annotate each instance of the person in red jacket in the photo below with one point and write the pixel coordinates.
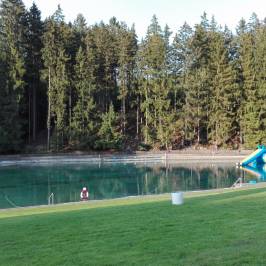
(84, 194)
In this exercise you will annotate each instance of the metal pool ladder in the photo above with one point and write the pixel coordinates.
(238, 183)
(51, 199)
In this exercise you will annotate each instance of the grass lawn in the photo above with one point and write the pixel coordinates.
(223, 229)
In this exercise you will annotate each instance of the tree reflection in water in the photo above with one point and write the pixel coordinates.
(32, 185)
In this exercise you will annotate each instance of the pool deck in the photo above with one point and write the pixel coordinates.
(144, 157)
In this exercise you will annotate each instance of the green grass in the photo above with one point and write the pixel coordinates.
(224, 229)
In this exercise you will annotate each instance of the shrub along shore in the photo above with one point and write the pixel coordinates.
(218, 227)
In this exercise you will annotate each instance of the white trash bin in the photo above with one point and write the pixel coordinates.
(177, 198)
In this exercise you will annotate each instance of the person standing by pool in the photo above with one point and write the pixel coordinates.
(84, 194)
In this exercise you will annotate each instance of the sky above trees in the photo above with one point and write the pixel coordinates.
(172, 12)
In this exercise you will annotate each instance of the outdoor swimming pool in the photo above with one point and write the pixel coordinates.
(32, 184)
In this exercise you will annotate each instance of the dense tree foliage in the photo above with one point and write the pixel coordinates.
(71, 86)
(13, 23)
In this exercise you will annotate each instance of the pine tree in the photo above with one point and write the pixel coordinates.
(196, 105)
(154, 29)
(34, 66)
(126, 65)
(166, 36)
(223, 117)
(197, 87)
(58, 16)
(57, 77)
(101, 89)
(49, 55)
(80, 25)
(181, 60)
(260, 69)
(79, 33)
(13, 25)
(154, 87)
(61, 84)
(82, 123)
(104, 44)
(109, 136)
(249, 109)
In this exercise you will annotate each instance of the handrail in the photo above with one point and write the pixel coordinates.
(238, 183)
(51, 199)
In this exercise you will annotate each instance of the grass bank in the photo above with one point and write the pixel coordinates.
(221, 229)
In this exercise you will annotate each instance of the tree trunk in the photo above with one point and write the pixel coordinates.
(29, 118)
(34, 115)
(146, 118)
(198, 131)
(124, 115)
(137, 117)
(70, 111)
(49, 111)
(175, 102)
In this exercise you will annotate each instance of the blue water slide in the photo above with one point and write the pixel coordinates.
(254, 157)
(259, 171)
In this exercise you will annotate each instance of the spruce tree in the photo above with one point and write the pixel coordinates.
(109, 136)
(249, 108)
(197, 85)
(181, 60)
(34, 66)
(104, 44)
(154, 87)
(101, 88)
(57, 77)
(260, 69)
(82, 123)
(13, 25)
(126, 65)
(222, 124)
(80, 25)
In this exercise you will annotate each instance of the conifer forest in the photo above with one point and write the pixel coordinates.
(72, 86)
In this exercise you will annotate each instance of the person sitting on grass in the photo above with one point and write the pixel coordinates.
(84, 194)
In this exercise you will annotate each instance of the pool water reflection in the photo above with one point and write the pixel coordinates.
(27, 185)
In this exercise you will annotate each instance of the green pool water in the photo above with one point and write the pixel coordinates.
(32, 184)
